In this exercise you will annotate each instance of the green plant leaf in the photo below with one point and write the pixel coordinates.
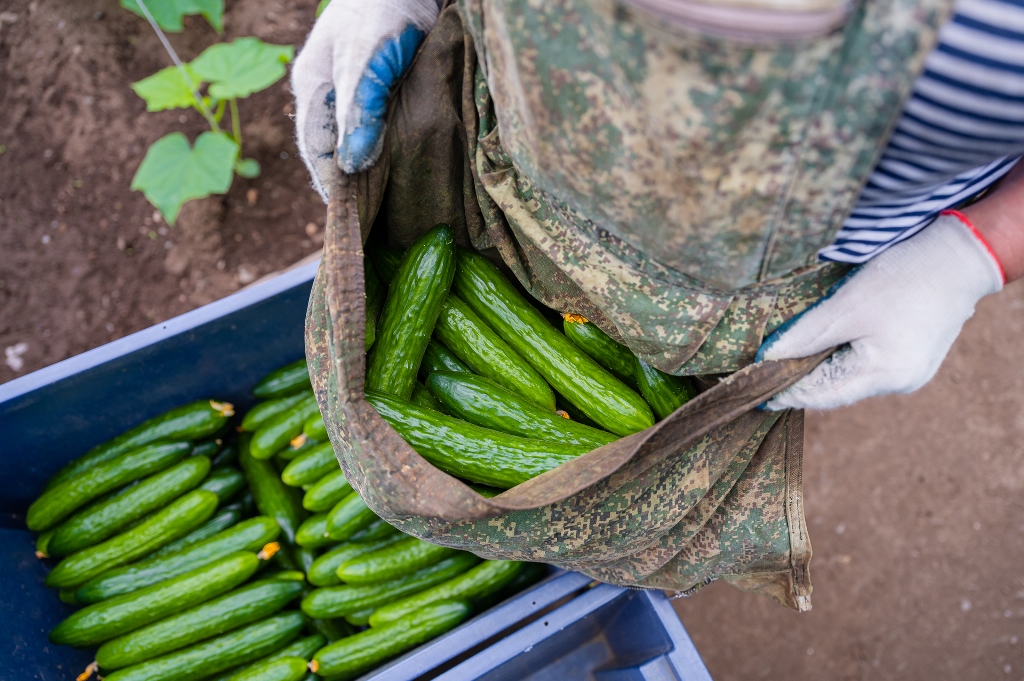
(167, 89)
(241, 67)
(168, 13)
(247, 167)
(174, 172)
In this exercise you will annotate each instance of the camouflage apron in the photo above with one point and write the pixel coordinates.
(673, 188)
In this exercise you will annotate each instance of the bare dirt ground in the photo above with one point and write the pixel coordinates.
(915, 503)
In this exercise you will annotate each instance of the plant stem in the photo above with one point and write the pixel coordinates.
(219, 113)
(236, 125)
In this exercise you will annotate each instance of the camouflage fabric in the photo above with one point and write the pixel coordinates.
(680, 180)
(711, 492)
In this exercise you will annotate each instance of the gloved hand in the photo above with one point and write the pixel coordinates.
(900, 313)
(355, 54)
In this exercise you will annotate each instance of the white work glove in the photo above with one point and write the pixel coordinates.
(342, 78)
(899, 313)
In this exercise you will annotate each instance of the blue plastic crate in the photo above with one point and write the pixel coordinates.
(561, 629)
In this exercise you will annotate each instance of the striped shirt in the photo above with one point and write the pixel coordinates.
(961, 130)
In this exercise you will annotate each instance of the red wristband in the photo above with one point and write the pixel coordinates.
(977, 235)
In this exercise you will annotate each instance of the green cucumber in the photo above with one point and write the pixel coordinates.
(485, 491)
(480, 455)
(587, 384)
(414, 301)
(43, 543)
(476, 344)
(361, 618)
(234, 609)
(484, 579)
(338, 601)
(190, 422)
(207, 448)
(323, 572)
(311, 466)
(279, 669)
(67, 596)
(304, 647)
(104, 620)
(176, 520)
(332, 630)
(288, 380)
(439, 358)
(62, 500)
(248, 535)
(226, 457)
(478, 400)
(326, 492)
(573, 413)
(369, 648)
(276, 433)
(391, 562)
(312, 533)
(104, 519)
(300, 445)
(350, 515)
(218, 654)
(375, 294)
(314, 428)
(378, 529)
(221, 520)
(664, 392)
(225, 482)
(273, 497)
(422, 397)
(265, 411)
(386, 261)
(601, 347)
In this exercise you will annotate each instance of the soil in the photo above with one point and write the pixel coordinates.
(915, 503)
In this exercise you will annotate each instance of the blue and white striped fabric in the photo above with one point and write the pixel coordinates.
(961, 130)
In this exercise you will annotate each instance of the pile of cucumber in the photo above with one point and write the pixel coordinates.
(203, 548)
(505, 395)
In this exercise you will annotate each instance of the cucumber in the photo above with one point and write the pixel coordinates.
(276, 433)
(314, 428)
(225, 482)
(480, 455)
(218, 654)
(338, 601)
(439, 358)
(386, 261)
(479, 401)
(359, 619)
(484, 579)
(265, 411)
(527, 577)
(323, 572)
(587, 384)
(391, 562)
(225, 457)
(311, 466)
(103, 621)
(176, 520)
(248, 535)
(273, 497)
(476, 344)
(239, 607)
(485, 491)
(326, 492)
(304, 647)
(664, 392)
(207, 448)
(222, 519)
(378, 529)
(370, 648)
(332, 630)
(43, 544)
(375, 295)
(601, 347)
(279, 669)
(62, 500)
(573, 413)
(414, 301)
(350, 515)
(104, 519)
(189, 422)
(298, 446)
(288, 380)
(312, 532)
(67, 596)
(422, 397)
